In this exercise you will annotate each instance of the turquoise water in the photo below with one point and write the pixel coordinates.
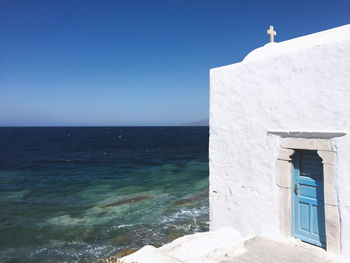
(78, 194)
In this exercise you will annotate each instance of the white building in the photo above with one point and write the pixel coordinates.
(279, 143)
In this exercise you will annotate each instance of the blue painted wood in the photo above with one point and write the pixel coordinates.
(308, 217)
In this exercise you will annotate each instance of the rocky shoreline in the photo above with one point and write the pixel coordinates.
(197, 248)
(116, 258)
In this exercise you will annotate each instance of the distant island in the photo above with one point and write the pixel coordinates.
(204, 122)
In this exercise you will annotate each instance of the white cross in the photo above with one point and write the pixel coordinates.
(272, 34)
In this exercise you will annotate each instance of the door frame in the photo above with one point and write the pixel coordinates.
(326, 150)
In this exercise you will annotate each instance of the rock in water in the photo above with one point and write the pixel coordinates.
(197, 197)
(125, 252)
(127, 201)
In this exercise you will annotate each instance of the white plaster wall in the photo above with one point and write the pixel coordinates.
(305, 89)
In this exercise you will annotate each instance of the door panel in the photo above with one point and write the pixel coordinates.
(308, 218)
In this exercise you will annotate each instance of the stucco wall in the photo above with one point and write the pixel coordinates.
(306, 89)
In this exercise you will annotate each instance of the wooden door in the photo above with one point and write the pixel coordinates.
(308, 217)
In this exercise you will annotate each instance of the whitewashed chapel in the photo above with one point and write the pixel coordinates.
(280, 142)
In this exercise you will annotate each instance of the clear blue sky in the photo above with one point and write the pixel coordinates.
(134, 62)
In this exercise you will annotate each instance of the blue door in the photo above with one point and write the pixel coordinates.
(308, 217)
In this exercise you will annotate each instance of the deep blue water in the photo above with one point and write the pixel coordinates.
(77, 194)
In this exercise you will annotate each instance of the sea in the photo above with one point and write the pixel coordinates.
(77, 194)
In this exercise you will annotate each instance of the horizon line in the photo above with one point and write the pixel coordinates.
(103, 126)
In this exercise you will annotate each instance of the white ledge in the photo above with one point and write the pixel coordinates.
(308, 134)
